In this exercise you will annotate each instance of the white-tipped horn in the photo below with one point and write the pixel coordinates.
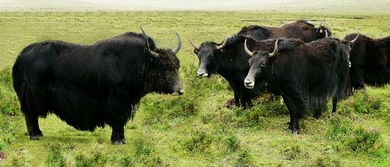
(354, 40)
(223, 44)
(155, 54)
(192, 43)
(326, 33)
(178, 43)
(276, 49)
(247, 51)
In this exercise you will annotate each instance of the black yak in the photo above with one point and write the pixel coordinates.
(229, 59)
(89, 86)
(370, 60)
(304, 74)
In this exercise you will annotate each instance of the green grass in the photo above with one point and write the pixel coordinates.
(194, 129)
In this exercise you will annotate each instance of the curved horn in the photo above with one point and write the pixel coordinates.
(178, 43)
(192, 43)
(155, 54)
(276, 49)
(354, 40)
(247, 50)
(223, 44)
(326, 33)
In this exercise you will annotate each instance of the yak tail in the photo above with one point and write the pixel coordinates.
(18, 70)
(31, 100)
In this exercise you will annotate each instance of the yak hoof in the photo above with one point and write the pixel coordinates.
(35, 137)
(119, 142)
(295, 131)
(39, 134)
(334, 113)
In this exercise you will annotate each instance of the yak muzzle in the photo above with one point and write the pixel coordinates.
(249, 83)
(202, 74)
(180, 91)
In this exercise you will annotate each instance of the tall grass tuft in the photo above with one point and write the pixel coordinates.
(55, 156)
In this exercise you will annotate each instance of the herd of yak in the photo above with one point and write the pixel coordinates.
(89, 86)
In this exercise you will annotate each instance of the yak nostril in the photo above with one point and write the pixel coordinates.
(247, 82)
(199, 74)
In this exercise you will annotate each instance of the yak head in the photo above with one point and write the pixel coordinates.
(206, 53)
(348, 44)
(307, 31)
(351, 39)
(259, 65)
(163, 69)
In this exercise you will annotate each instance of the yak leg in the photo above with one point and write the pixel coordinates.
(334, 107)
(237, 95)
(33, 127)
(236, 99)
(290, 124)
(357, 78)
(118, 135)
(318, 111)
(31, 121)
(246, 101)
(296, 108)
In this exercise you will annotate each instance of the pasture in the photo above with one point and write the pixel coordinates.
(195, 129)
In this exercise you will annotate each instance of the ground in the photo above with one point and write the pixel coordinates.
(195, 129)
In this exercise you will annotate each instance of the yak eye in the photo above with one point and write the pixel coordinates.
(262, 64)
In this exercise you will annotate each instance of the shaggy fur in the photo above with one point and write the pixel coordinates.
(370, 60)
(90, 86)
(305, 74)
(232, 62)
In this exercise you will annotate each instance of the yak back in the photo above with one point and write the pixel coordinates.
(291, 30)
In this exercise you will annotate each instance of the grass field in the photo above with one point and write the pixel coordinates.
(194, 129)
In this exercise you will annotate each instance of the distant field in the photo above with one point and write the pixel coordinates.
(194, 129)
(286, 6)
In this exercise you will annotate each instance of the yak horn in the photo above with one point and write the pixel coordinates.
(178, 43)
(155, 54)
(247, 50)
(326, 33)
(223, 44)
(192, 43)
(322, 22)
(276, 49)
(354, 40)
